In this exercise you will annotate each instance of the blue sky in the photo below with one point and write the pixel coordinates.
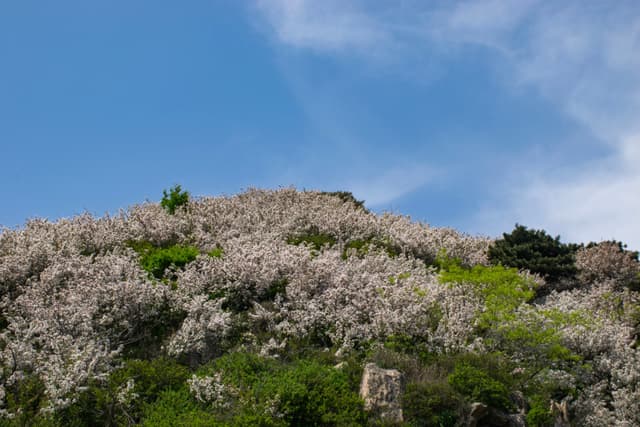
(475, 115)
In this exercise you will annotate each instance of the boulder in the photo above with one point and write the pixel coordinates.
(381, 390)
(480, 415)
(478, 410)
(560, 411)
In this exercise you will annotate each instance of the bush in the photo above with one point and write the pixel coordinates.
(314, 238)
(155, 260)
(103, 403)
(503, 289)
(217, 252)
(25, 398)
(174, 199)
(608, 260)
(363, 246)
(304, 392)
(479, 386)
(539, 414)
(431, 404)
(535, 251)
(177, 408)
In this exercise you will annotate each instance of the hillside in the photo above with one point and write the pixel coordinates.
(237, 310)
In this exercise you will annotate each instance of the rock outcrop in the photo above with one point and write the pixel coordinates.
(478, 411)
(381, 390)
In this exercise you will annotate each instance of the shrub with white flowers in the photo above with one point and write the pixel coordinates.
(286, 274)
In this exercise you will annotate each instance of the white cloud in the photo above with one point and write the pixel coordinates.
(584, 57)
(597, 202)
(478, 22)
(327, 25)
(390, 185)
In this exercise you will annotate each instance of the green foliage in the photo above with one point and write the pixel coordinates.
(439, 385)
(428, 404)
(445, 263)
(539, 343)
(216, 253)
(535, 251)
(99, 405)
(363, 246)
(155, 260)
(503, 289)
(177, 408)
(410, 364)
(545, 387)
(314, 238)
(413, 346)
(147, 345)
(240, 368)
(174, 199)
(311, 394)
(278, 287)
(28, 397)
(304, 392)
(539, 414)
(151, 377)
(479, 386)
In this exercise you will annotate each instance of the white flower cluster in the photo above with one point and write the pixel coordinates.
(603, 335)
(361, 299)
(607, 262)
(211, 390)
(205, 326)
(126, 392)
(68, 323)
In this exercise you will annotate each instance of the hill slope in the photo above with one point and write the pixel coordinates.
(211, 312)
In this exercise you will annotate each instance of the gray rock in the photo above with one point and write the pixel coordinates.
(480, 415)
(478, 411)
(381, 390)
(561, 413)
(517, 420)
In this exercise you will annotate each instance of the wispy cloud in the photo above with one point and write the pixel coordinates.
(328, 25)
(583, 57)
(381, 189)
(597, 202)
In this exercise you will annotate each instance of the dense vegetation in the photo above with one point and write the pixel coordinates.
(262, 309)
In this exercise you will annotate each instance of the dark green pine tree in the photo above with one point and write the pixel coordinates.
(535, 251)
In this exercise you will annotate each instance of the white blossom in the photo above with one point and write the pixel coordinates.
(211, 390)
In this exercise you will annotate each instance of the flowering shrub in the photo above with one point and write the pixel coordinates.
(119, 399)
(210, 390)
(608, 261)
(282, 275)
